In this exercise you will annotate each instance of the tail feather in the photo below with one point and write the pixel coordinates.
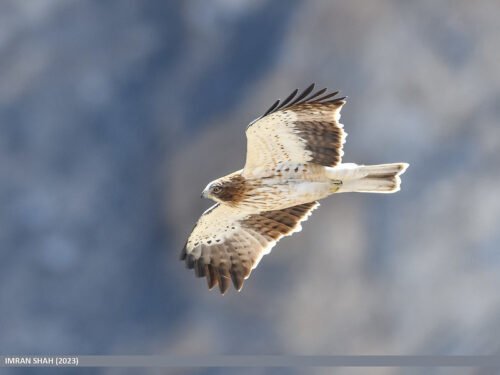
(381, 178)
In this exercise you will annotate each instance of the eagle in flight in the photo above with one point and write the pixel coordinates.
(294, 154)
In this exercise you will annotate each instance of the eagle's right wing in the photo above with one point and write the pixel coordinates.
(227, 243)
(303, 129)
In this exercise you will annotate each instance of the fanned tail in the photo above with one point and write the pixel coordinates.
(381, 178)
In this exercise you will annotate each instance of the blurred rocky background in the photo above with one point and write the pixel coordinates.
(114, 115)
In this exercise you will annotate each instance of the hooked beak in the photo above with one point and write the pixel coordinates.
(203, 194)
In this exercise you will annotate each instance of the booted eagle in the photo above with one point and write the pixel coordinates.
(294, 154)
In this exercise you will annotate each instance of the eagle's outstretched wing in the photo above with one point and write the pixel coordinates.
(302, 129)
(227, 243)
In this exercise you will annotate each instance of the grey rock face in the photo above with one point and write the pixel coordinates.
(114, 115)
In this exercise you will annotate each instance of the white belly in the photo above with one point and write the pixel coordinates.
(279, 195)
(307, 191)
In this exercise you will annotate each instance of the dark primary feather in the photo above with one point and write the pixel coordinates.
(303, 95)
(318, 93)
(328, 96)
(211, 276)
(290, 97)
(303, 98)
(272, 108)
(183, 253)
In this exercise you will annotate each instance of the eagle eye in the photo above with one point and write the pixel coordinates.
(216, 189)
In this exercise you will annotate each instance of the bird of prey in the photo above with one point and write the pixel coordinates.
(293, 159)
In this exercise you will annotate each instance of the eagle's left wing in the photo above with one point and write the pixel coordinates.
(227, 243)
(302, 129)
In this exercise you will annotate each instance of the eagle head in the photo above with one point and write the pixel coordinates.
(226, 190)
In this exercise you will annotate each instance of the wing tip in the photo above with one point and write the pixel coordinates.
(211, 276)
(183, 254)
(305, 97)
(190, 261)
(237, 280)
(223, 285)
